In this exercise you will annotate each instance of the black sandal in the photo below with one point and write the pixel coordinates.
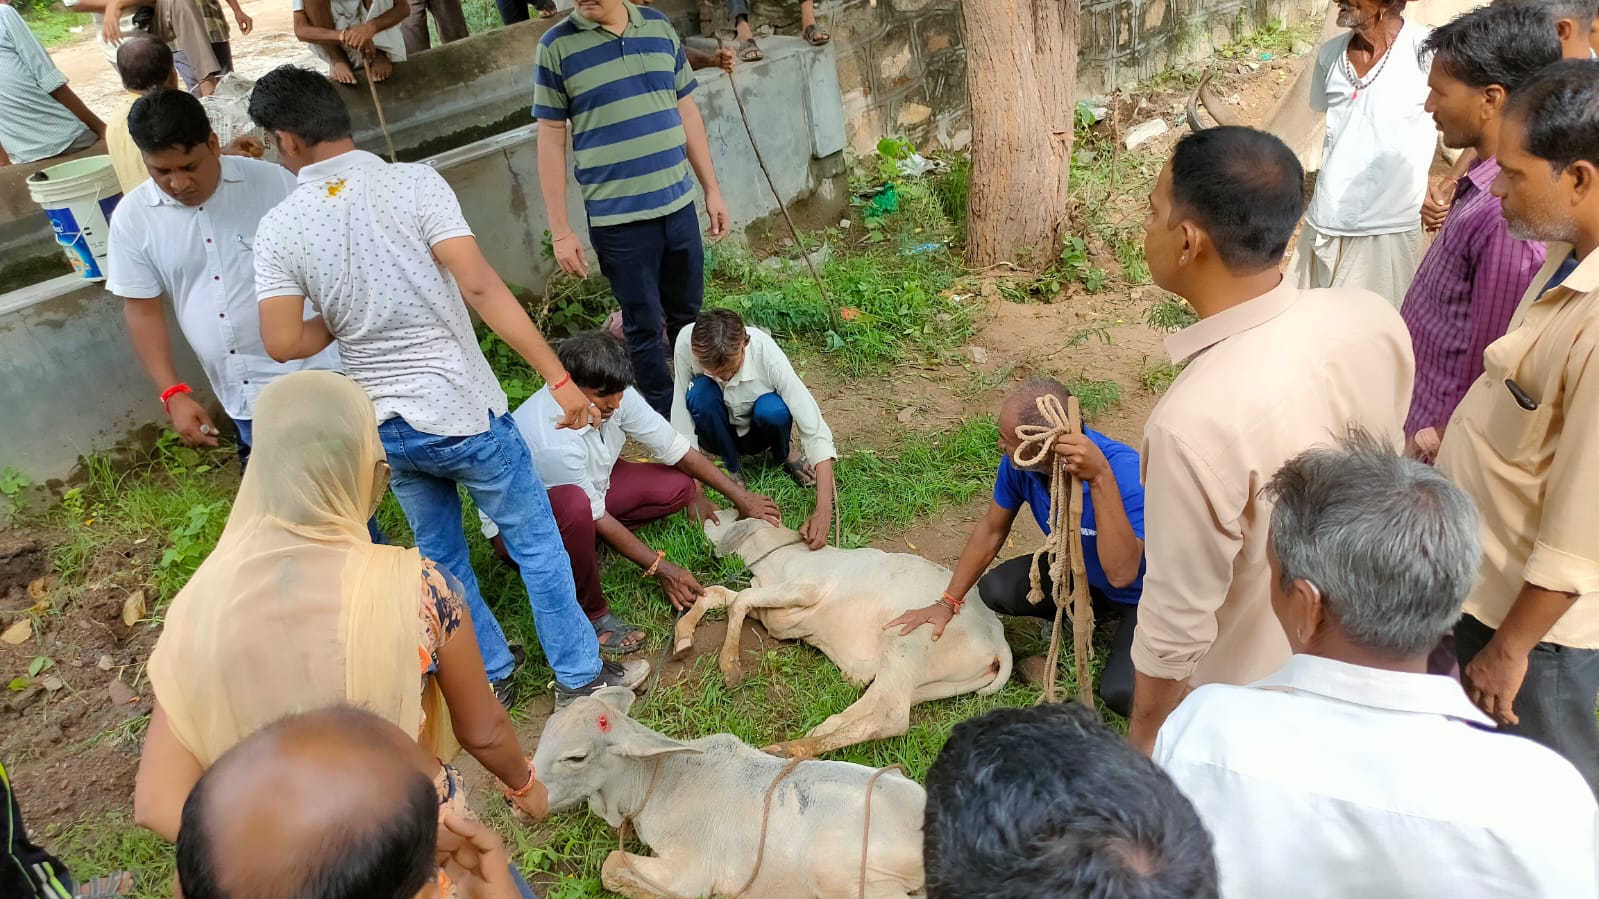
(800, 469)
(815, 36)
(749, 51)
(613, 634)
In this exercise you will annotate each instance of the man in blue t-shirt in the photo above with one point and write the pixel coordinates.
(1112, 529)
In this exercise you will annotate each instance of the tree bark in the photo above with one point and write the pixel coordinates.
(1021, 71)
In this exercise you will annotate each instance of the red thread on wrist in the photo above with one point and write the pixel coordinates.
(953, 604)
(565, 380)
(532, 777)
(170, 392)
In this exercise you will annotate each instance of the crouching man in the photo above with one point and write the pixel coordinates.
(596, 494)
(1112, 529)
(737, 394)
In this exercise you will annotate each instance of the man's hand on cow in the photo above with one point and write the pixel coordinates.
(194, 427)
(814, 530)
(937, 614)
(681, 587)
(1083, 457)
(756, 505)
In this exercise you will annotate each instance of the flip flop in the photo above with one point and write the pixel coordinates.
(547, 13)
(801, 470)
(106, 885)
(815, 36)
(749, 51)
(613, 634)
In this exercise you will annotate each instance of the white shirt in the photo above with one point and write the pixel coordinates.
(1335, 780)
(201, 258)
(585, 457)
(765, 370)
(33, 124)
(356, 239)
(1380, 140)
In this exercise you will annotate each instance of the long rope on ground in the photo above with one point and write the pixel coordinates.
(1063, 547)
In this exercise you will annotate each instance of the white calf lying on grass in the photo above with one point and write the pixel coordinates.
(838, 601)
(700, 807)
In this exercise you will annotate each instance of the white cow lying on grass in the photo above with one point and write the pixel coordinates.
(838, 601)
(699, 806)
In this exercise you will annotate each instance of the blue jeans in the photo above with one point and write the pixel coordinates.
(246, 429)
(496, 468)
(657, 271)
(770, 425)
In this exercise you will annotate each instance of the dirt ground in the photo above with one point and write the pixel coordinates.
(270, 44)
(70, 738)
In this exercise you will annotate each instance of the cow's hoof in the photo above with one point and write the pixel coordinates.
(733, 675)
(778, 749)
(681, 648)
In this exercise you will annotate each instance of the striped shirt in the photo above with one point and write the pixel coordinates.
(620, 93)
(33, 124)
(1468, 286)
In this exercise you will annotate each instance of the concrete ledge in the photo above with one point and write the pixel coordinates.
(69, 380)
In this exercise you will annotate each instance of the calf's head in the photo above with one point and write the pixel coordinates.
(592, 745)
(728, 532)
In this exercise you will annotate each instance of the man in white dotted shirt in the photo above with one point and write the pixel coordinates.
(389, 264)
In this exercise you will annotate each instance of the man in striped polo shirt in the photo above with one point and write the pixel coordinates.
(618, 73)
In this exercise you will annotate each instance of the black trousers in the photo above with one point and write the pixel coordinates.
(1004, 589)
(26, 871)
(1556, 701)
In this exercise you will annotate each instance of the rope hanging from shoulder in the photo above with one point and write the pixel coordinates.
(1063, 546)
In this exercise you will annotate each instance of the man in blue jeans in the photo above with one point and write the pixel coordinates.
(386, 259)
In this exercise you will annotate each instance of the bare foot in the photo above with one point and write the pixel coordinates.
(379, 67)
(341, 71)
(209, 85)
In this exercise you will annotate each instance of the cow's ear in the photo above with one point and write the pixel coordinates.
(639, 742)
(619, 698)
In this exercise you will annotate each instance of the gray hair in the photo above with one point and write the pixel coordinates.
(1391, 544)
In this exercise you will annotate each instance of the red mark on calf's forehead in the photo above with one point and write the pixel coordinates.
(605, 724)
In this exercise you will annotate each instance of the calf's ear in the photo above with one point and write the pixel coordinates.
(618, 698)
(639, 742)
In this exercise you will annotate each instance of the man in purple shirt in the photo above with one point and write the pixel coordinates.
(1473, 276)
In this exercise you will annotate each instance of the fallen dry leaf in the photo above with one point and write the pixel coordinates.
(133, 608)
(52, 683)
(18, 633)
(38, 588)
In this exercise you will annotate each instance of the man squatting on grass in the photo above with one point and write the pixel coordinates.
(595, 494)
(1112, 527)
(737, 394)
(386, 259)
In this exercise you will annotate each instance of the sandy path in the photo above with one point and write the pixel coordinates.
(268, 46)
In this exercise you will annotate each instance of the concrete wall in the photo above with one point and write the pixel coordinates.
(792, 100)
(70, 384)
(902, 63)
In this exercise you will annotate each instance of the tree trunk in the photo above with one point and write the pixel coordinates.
(1021, 70)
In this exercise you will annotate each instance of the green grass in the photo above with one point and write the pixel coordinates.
(1095, 397)
(53, 25)
(1156, 376)
(1171, 313)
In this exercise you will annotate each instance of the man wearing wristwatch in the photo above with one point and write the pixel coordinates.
(1112, 529)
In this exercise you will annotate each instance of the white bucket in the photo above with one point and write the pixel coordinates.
(79, 196)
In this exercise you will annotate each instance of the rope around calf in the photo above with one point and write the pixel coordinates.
(626, 827)
(1063, 546)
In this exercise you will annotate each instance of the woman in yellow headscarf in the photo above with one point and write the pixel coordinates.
(297, 609)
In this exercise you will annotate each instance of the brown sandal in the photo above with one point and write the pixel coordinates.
(749, 51)
(815, 36)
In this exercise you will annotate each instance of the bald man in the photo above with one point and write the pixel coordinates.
(1112, 528)
(336, 802)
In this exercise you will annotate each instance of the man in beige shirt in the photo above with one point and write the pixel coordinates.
(1525, 440)
(1271, 371)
